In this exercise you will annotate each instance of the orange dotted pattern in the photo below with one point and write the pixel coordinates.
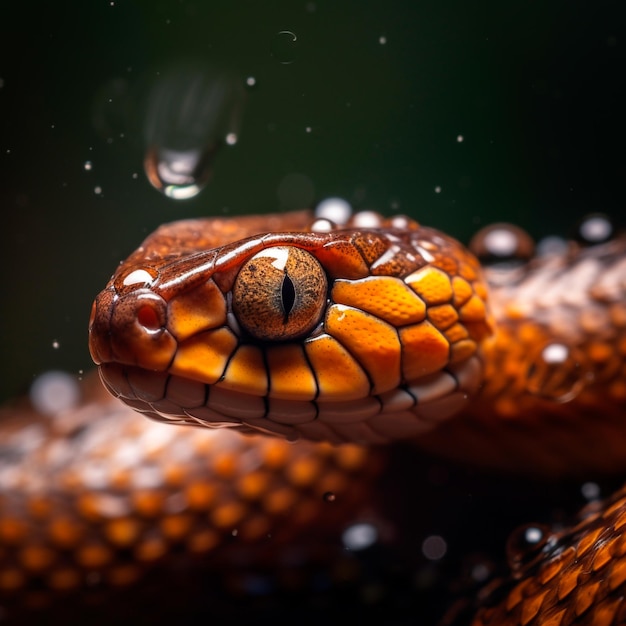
(101, 518)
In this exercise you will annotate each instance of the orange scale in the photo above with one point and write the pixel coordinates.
(431, 284)
(338, 374)
(424, 350)
(196, 310)
(462, 350)
(442, 316)
(473, 310)
(374, 343)
(384, 296)
(246, 370)
(204, 357)
(456, 333)
(290, 374)
(462, 291)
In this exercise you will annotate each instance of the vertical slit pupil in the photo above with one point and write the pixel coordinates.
(288, 295)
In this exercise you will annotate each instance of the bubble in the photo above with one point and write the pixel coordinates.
(590, 491)
(434, 547)
(595, 228)
(336, 210)
(359, 536)
(283, 47)
(53, 392)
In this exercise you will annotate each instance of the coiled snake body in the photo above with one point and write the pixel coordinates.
(368, 332)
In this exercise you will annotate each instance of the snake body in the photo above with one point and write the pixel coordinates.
(365, 332)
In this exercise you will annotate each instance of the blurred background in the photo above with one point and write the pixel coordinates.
(456, 113)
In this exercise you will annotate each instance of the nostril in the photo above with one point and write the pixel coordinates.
(148, 317)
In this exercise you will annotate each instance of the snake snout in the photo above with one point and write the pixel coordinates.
(131, 329)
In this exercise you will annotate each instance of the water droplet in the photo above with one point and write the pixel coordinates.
(437, 189)
(336, 210)
(283, 47)
(97, 190)
(329, 496)
(525, 543)
(88, 165)
(191, 114)
(53, 392)
(251, 81)
(359, 536)
(308, 129)
(56, 345)
(382, 40)
(558, 372)
(590, 491)
(459, 138)
(595, 229)
(434, 547)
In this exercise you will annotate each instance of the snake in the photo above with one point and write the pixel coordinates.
(302, 347)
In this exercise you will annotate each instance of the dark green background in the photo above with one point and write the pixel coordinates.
(535, 88)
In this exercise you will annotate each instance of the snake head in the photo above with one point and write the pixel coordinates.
(356, 332)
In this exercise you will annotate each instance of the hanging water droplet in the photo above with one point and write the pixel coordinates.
(283, 47)
(191, 114)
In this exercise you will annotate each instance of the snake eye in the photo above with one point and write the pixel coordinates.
(280, 293)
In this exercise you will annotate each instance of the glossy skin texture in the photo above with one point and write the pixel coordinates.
(574, 576)
(377, 341)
